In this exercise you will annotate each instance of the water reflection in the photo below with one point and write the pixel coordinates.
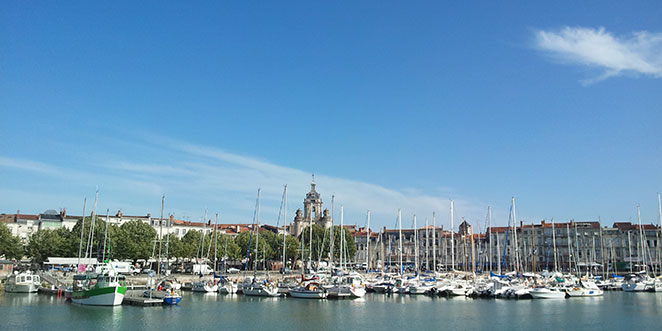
(19, 299)
(374, 311)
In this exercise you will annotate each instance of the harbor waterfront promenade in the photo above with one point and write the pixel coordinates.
(613, 311)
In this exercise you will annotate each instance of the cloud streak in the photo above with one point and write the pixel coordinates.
(639, 53)
(196, 176)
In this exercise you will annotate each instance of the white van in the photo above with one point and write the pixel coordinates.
(202, 268)
(125, 268)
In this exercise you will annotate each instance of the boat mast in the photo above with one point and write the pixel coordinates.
(284, 223)
(167, 245)
(489, 236)
(452, 239)
(367, 240)
(576, 250)
(342, 235)
(427, 245)
(554, 244)
(105, 236)
(498, 250)
(82, 230)
(257, 232)
(331, 241)
(630, 250)
(158, 267)
(400, 240)
(215, 241)
(91, 236)
(641, 240)
(415, 245)
(517, 259)
(602, 252)
(434, 242)
(567, 228)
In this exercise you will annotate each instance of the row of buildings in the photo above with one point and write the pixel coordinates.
(573, 245)
(24, 225)
(568, 246)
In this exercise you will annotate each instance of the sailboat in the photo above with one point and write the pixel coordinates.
(167, 289)
(204, 286)
(253, 287)
(639, 282)
(98, 289)
(312, 290)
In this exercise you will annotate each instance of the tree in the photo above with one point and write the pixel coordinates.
(226, 247)
(350, 244)
(97, 243)
(190, 244)
(45, 243)
(320, 244)
(10, 245)
(291, 247)
(263, 247)
(135, 241)
(174, 245)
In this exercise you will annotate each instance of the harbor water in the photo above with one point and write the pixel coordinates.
(613, 311)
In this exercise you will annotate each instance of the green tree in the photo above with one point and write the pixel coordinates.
(135, 241)
(97, 242)
(226, 247)
(10, 245)
(47, 243)
(320, 245)
(190, 244)
(291, 247)
(350, 244)
(263, 247)
(174, 245)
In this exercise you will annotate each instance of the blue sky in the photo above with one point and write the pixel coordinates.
(390, 104)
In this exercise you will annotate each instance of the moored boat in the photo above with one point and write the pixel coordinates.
(547, 293)
(310, 291)
(24, 282)
(105, 289)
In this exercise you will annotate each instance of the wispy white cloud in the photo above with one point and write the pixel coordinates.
(28, 165)
(195, 176)
(639, 53)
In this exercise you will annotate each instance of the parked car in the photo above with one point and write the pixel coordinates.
(233, 270)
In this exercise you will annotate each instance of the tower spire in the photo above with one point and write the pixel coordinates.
(312, 184)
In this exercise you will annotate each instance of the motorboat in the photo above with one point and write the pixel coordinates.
(310, 291)
(227, 286)
(104, 289)
(24, 282)
(547, 293)
(585, 289)
(261, 289)
(635, 283)
(204, 286)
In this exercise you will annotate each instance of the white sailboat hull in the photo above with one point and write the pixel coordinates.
(308, 294)
(228, 289)
(204, 288)
(633, 287)
(547, 294)
(108, 299)
(259, 291)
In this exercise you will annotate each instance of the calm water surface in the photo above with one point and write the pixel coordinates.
(614, 311)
